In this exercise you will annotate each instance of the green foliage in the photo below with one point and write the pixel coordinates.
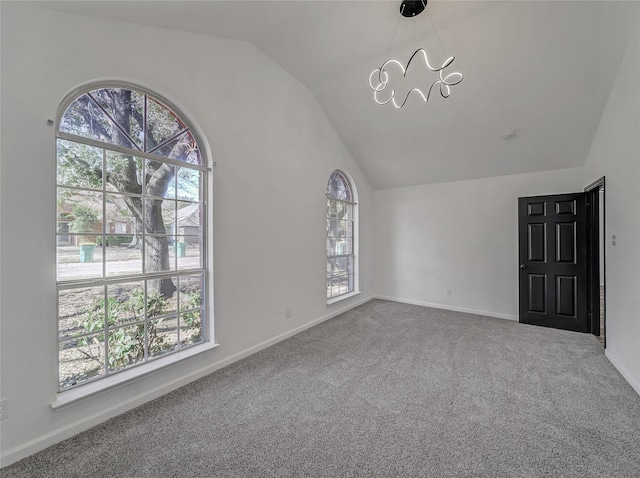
(155, 303)
(193, 319)
(85, 220)
(126, 344)
(79, 165)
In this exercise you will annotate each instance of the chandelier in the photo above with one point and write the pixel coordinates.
(382, 78)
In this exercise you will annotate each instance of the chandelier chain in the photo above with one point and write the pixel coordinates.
(394, 34)
(437, 36)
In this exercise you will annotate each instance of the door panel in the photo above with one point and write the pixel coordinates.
(537, 242)
(566, 242)
(553, 261)
(566, 296)
(538, 293)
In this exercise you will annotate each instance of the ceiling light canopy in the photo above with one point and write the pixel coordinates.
(383, 78)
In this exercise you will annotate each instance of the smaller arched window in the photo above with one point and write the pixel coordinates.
(341, 236)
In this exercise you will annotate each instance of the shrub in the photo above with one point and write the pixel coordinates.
(126, 344)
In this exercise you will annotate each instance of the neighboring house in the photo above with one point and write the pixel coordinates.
(119, 221)
(189, 223)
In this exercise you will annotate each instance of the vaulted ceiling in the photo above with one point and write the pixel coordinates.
(543, 69)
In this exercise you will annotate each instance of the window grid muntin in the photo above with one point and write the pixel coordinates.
(121, 149)
(106, 328)
(104, 191)
(105, 280)
(94, 101)
(112, 119)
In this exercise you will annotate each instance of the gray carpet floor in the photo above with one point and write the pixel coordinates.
(383, 390)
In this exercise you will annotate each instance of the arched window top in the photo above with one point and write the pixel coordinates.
(131, 119)
(339, 187)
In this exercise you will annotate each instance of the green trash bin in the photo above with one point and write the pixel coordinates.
(86, 252)
(181, 249)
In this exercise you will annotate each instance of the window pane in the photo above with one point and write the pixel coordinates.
(333, 228)
(190, 327)
(126, 107)
(120, 258)
(126, 346)
(157, 302)
(189, 218)
(182, 148)
(84, 118)
(189, 183)
(350, 272)
(126, 303)
(159, 254)
(344, 228)
(79, 165)
(157, 211)
(162, 124)
(160, 179)
(119, 218)
(338, 187)
(80, 360)
(169, 216)
(81, 258)
(349, 212)
(124, 173)
(191, 292)
(80, 311)
(63, 237)
(344, 285)
(189, 251)
(343, 246)
(332, 209)
(81, 210)
(163, 336)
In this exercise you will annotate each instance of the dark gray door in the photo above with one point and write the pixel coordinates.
(553, 261)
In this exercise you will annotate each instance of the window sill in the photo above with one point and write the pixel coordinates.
(83, 392)
(343, 297)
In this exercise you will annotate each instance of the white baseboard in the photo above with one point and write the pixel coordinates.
(40, 443)
(497, 315)
(624, 374)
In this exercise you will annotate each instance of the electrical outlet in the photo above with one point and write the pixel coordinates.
(613, 240)
(288, 313)
(448, 291)
(4, 410)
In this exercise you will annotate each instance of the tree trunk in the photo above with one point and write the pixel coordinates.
(156, 251)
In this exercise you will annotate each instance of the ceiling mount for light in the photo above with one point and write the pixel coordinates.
(411, 8)
(380, 79)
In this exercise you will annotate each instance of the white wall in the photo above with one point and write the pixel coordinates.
(461, 236)
(274, 148)
(615, 154)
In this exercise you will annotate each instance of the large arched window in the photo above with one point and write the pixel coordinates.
(130, 217)
(341, 237)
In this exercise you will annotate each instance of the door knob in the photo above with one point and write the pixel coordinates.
(523, 266)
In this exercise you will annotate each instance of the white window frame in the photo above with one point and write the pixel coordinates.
(354, 273)
(116, 378)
